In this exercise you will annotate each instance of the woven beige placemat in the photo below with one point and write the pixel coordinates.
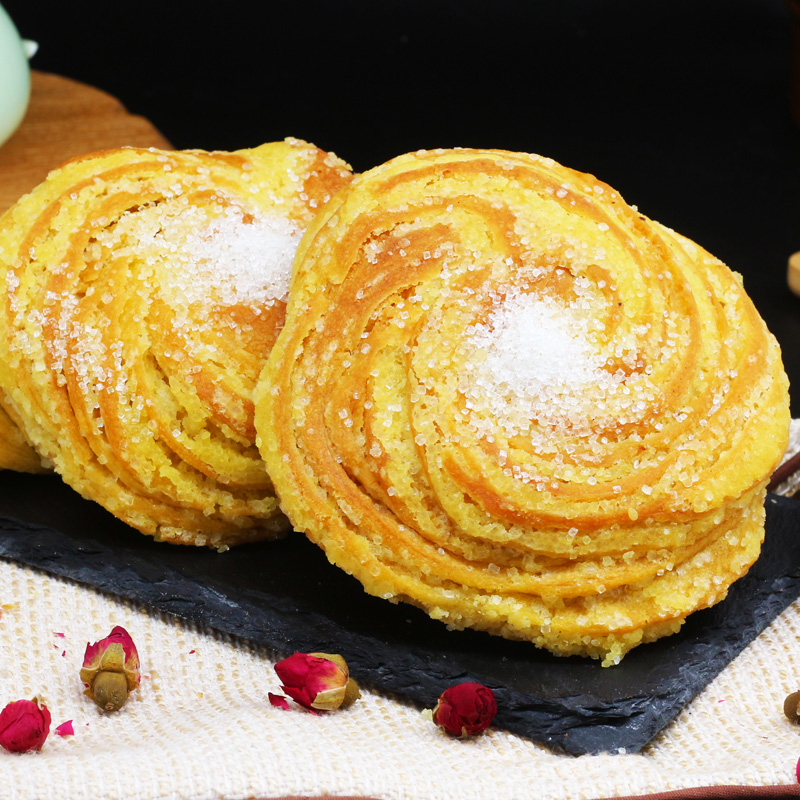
(201, 725)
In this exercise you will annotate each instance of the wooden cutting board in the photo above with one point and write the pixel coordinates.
(64, 119)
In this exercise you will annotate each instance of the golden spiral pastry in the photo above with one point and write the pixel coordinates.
(507, 397)
(15, 451)
(143, 290)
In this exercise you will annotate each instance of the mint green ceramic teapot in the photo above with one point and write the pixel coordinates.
(15, 78)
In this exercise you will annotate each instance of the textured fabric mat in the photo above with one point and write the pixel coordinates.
(201, 725)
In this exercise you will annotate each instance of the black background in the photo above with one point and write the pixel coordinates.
(681, 105)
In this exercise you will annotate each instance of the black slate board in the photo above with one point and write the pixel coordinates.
(285, 596)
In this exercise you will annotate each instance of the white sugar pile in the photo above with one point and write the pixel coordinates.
(222, 256)
(535, 361)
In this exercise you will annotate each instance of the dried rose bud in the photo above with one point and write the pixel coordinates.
(317, 681)
(110, 669)
(791, 707)
(24, 725)
(465, 709)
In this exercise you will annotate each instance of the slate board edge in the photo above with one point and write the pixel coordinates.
(17, 544)
(547, 722)
(29, 544)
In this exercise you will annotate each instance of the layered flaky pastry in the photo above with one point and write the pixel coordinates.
(507, 397)
(142, 292)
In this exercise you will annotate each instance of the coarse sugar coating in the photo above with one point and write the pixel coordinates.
(143, 290)
(506, 396)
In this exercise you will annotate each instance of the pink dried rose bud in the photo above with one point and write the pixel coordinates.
(319, 681)
(465, 709)
(110, 669)
(24, 725)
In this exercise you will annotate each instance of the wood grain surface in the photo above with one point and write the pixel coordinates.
(64, 119)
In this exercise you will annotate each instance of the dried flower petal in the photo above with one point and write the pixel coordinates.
(278, 700)
(111, 669)
(24, 725)
(103, 654)
(317, 680)
(65, 729)
(465, 709)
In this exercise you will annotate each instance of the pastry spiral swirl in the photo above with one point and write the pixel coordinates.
(507, 397)
(143, 290)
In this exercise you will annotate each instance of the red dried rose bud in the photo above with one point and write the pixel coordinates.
(465, 709)
(110, 669)
(24, 725)
(318, 681)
